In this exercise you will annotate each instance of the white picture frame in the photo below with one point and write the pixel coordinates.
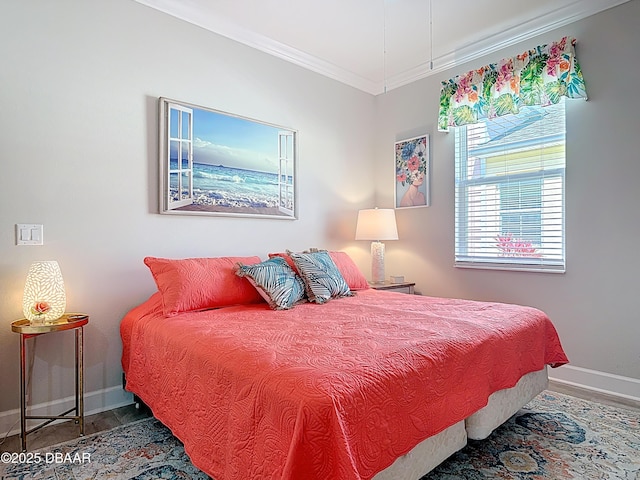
(412, 170)
(216, 163)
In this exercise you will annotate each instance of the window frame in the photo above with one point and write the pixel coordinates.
(550, 179)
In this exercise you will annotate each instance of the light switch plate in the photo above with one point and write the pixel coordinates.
(29, 234)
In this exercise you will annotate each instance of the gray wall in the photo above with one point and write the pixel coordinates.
(79, 85)
(594, 304)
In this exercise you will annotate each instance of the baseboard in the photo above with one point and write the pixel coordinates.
(624, 389)
(94, 402)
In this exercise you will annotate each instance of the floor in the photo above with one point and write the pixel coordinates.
(53, 434)
(594, 396)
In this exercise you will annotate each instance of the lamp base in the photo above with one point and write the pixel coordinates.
(377, 262)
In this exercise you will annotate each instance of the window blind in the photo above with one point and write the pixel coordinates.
(509, 193)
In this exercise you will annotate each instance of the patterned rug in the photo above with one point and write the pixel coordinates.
(554, 437)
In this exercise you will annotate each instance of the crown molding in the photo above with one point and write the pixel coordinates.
(558, 18)
(265, 44)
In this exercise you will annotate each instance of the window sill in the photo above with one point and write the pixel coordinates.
(511, 267)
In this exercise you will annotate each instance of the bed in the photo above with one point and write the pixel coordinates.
(357, 386)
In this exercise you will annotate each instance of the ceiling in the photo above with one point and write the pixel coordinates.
(378, 45)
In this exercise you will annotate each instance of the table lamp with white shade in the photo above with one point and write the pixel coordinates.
(377, 224)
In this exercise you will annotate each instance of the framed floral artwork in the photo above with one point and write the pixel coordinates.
(412, 172)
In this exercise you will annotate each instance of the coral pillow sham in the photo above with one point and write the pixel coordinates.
(201, 283)
(350, 271)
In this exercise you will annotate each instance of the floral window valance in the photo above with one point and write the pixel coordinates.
(537, 77)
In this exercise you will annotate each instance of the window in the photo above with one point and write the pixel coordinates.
(509, 194)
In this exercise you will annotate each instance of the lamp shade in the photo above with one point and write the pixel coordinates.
(377, 224)
(44, 298)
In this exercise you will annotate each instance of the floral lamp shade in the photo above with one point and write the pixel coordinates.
(44, 298)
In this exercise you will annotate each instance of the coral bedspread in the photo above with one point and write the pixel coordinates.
(334, 391)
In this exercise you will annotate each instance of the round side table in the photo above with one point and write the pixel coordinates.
(27, 329)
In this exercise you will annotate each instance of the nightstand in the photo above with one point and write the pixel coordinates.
(69, 321)
(404, 287)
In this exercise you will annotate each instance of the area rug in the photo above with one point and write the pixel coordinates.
(553, 437)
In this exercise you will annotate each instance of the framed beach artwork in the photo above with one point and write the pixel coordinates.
(216, 163)
(412, 172)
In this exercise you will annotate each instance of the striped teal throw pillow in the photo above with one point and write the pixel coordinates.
(275, 281)
(322, 279)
